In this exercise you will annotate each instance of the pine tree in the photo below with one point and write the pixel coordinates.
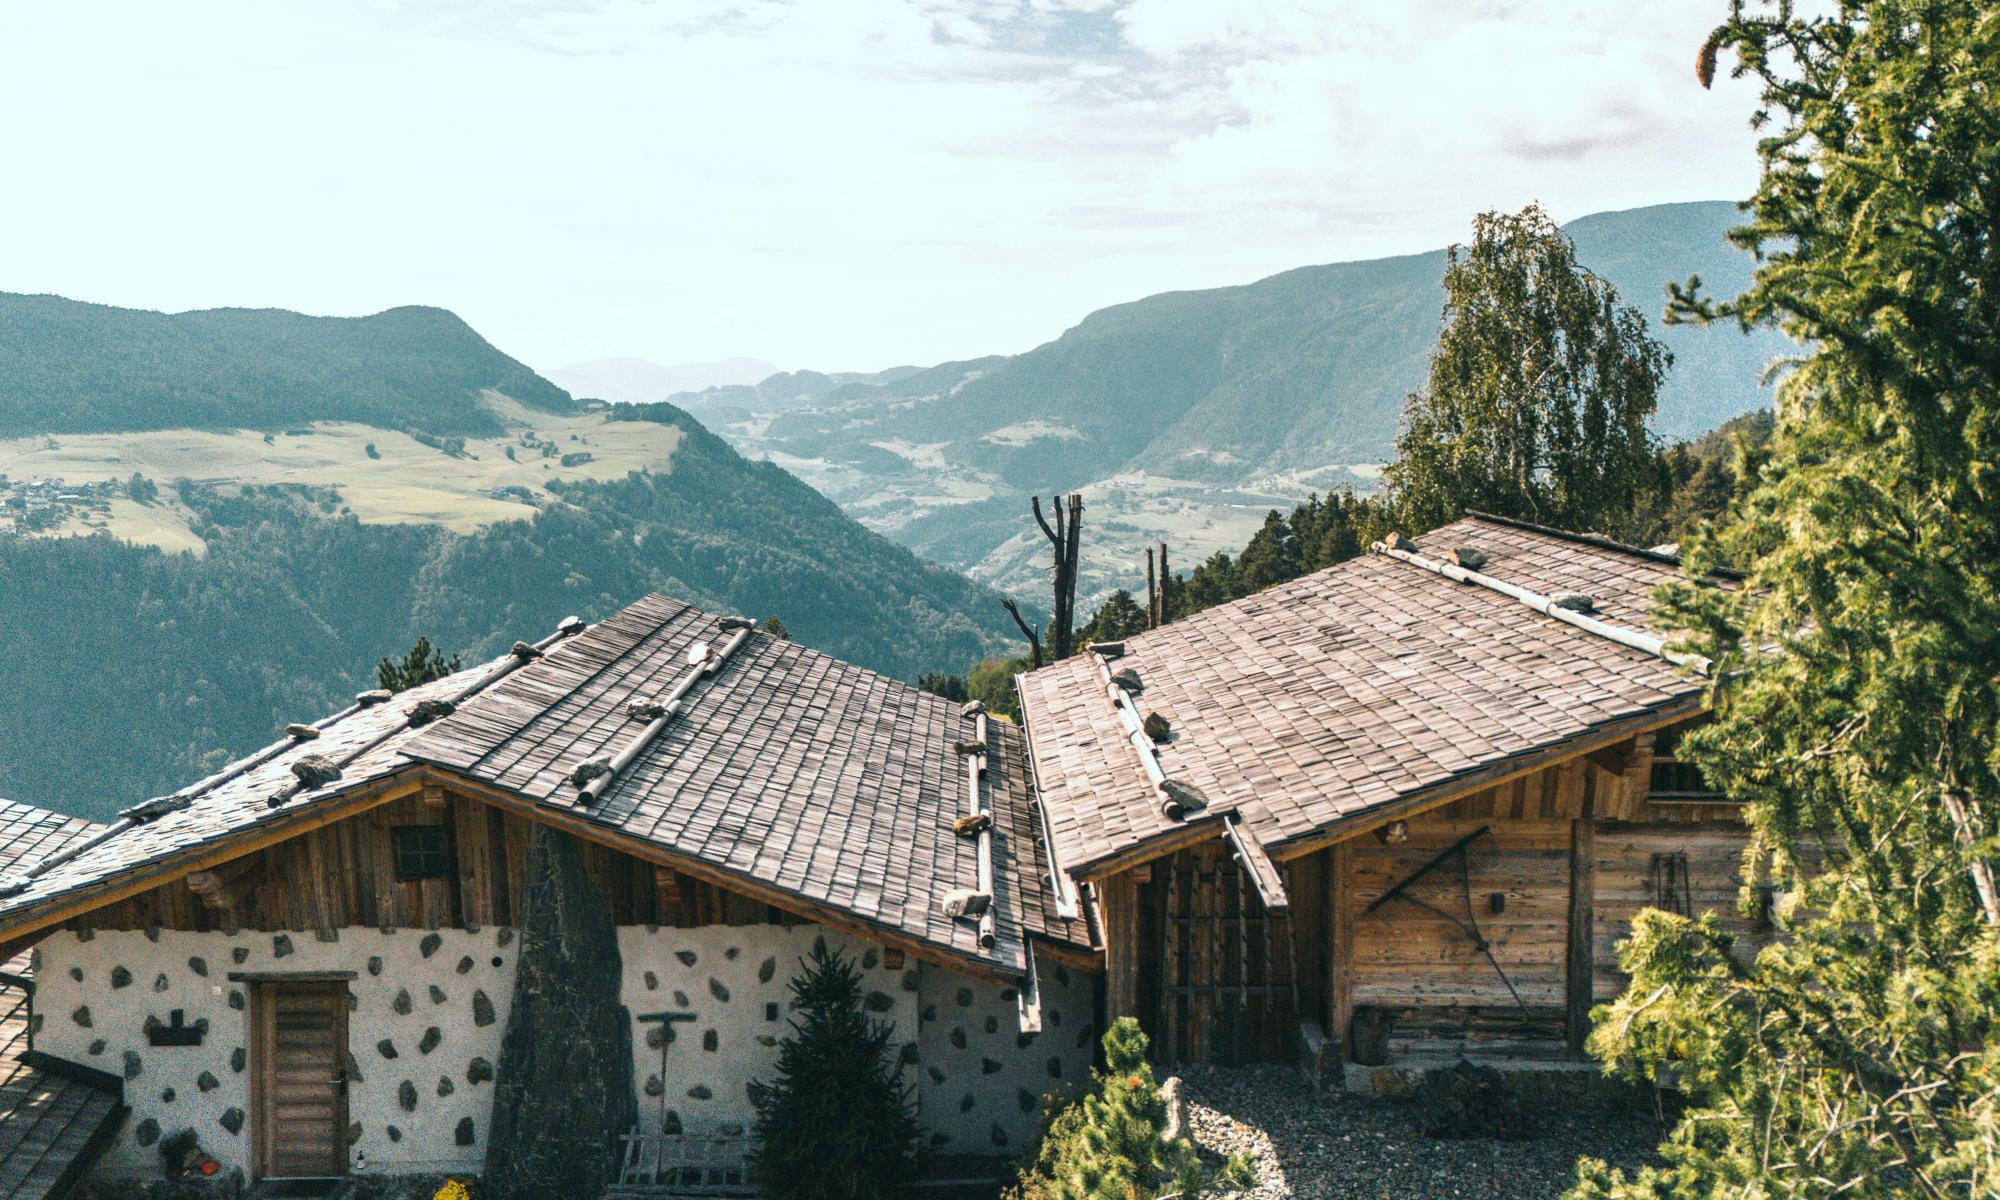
(1858, 667)
(777, 628)
(422, 664)
(1117, 618)
(1271, 556)
(838, 1122)
(1112, 1147)
(1539, 390)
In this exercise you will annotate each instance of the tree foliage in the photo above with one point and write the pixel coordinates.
(838, 1121)
(422, 664)
(1539, 392)
(1859, 666)
(1112, 1144)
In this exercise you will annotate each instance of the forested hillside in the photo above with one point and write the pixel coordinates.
(70, 367)
(1184, 415)
(134, 671)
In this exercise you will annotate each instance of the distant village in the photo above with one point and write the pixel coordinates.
(39, 505)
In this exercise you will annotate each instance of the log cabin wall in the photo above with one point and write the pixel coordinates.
(345, 875)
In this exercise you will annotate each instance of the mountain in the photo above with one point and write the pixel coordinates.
(171, 597)
(637, 381)
(1184, 416)
(72, 367)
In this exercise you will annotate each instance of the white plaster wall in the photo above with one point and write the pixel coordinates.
(166, 1092)
(978, 1078)
(982, 1079)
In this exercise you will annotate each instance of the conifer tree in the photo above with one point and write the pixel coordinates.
(1113, 1147)
(1858, 667)
(422, 664)
(838, 1122)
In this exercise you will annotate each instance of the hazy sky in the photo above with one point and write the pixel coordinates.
(829, 183)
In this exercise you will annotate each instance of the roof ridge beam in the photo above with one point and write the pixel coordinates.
(1632, 638)
(1068, 906)
(1264, 874)
(597, 776)
(1171, 799)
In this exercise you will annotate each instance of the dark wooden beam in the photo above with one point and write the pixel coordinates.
(1582, 960)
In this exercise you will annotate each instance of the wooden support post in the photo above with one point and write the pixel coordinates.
(1120, 895)
(1582, 966)
(1340, 955)
(224, 886)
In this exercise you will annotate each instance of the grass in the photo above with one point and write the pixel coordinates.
(405, 482)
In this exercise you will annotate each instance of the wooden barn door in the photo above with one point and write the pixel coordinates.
(1228, 988)
(298, 1084)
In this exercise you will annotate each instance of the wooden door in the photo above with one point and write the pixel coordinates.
(298, 1081)
(1226, 977)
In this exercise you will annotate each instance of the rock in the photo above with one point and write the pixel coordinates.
(302, 733)
(710, 1040)
(464, 966)
(423, 712)
(654, 1086)
(652, 982)
(466, 1134)
(237, 1000)
(198, 965)
(479, 1071)
(81, 1016)
(146, 1132)
(437, 994)
(315, 771)
(402, 1004)
(482, 1008)
(239, 955)
(232, 1120)
(406, 1096)
(1157, 727)
(430, 944)
(445, 1085)
(281, 945)
(766, 970)
(238, 1059)
(386, 1048)
(373, 696)
(1576, 602)
(1173, 1094)
(96, 1047)
(1467, 557)
(132, 1064)
(965, 902)
(972, 825)
(120, 977)
(207, 1082)
(589, 770)
(879, 1002)
(1027, 1100)
(716, 989)
(687, 957)
(432, 1037)
(988, 1066)
(395, 1134)
(374, 964)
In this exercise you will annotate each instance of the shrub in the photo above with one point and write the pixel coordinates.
(838, 1122)
(1112, 1144)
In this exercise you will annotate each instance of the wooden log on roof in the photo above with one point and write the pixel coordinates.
(229, 885)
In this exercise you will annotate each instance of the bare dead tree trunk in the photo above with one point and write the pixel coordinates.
(1034, 639)
(1153, 595)
(1064, 542)
(1166, 586)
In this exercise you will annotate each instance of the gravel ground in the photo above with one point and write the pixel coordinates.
(1356, 1148)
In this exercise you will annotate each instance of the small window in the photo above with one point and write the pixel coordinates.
(1674, 778)
(422, 852)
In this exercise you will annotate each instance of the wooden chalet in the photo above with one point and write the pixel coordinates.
(308, 958)
(1396, 811)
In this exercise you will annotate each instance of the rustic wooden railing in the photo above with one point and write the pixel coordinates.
(678, 1164)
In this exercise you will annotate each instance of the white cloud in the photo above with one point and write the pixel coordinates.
(821, 183)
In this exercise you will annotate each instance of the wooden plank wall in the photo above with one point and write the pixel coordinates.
(1626, 884)
(1217, 974)
(344, 875)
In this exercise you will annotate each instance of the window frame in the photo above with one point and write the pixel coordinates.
(400, 852)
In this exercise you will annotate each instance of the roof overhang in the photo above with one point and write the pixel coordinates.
(29, 922)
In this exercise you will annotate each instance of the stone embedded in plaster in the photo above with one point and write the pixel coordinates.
(681, 999)
(910, 983)
(1026, 1099)
(710, 1040)
(238, 1059)
(958, 1039)
(432, 1036)
(132, 1064)
(167, 1096)
(237, 1001)
(81, 1016)
(429, 945)
(652, 982)
(964, 997)
(989, 1066)
(146, 1132)
(701, 1091)
(466, 1134)
(1083, 1037)
(386, 1048)
(354, 1075)
(766, 970)
(654, 1087)
(281, 945)
(880, 1002)
(198, 965)
(730, 1129)
(937, 1076)
(239, 955)
(232, 1120)
(687, 957)
(966, 1105)
(505, 937)
(767, 1040)
(406, 1096)
(207, 1082)
(716, 989)
(445, 1086)
(353, 1132)
(96, 1047)
(998, 1135)
(910, 1055)
(402, 1003)
(480, 1071)
(869, 958)
(374, 964)
(84, 935)
(76, 973)
(670, 1123)
(121, 977)
(464, 966)
(153, 934)
(992, 1024)
(731, 953)
(395, 1134)
(656, 1037)
(437, 994)
(482, 1008)
(929, 1013)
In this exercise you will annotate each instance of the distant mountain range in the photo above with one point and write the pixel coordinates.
(638, 381)
(1183, 416)
(71, 367)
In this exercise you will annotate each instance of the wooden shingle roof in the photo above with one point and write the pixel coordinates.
(807, 775)
(1370, 683)
(52, 1122)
